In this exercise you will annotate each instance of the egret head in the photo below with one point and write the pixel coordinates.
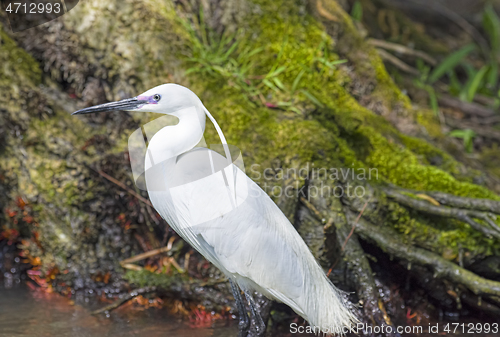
(166, 98)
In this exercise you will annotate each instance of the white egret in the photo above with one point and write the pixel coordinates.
(214, 206)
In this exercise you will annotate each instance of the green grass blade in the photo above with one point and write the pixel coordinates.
(296, 81)
(279, 84)
(468, 138)
(296, 110)
(457, 133)
(334, 63)
(276, 72)
(433, 100)
(476, 83)
(492, 78)
(230, 50)
(357, 11)
(284, 104)
(455, 84)
(491, 24)
(191, 71)
(253, 52)
(203, 30)
(471, 74)
(312, 98)
(270, 85)
(450, 62)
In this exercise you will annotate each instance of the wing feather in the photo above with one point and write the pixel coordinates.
(251, 240)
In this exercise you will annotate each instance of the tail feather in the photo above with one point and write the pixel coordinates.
(321, 304)
(327, 307)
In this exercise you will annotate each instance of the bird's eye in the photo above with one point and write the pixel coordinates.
(157, 97)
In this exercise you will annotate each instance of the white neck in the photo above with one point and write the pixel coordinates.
(172, 141)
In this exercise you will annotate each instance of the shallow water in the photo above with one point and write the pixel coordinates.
(34, 313)
(24, 312)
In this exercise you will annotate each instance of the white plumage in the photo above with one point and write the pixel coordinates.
(256, 245)
(213, 205)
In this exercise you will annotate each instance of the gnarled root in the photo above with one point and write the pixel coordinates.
(465, 215)
(389, 241)
(357, 263)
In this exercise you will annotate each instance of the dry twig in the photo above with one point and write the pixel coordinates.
(124, 299)
(125, 187)
(312, 209)
(145, 255)
(397, 62)
(128, 263)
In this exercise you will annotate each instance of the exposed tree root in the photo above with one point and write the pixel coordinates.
(359, 266)
(397, 62)
(477, 303)
(471, 109)
(313, 209)
(448, 295)
(485, 205)
(389, 241)
(434, 288)
(398, 48)
(464, 215)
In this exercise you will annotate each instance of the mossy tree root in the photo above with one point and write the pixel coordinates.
(389, 241)
(485, 205)
(359, 266)
(465, 215)
(448, 295)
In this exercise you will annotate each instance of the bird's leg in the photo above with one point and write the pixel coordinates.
(244, 322)
(260, 326)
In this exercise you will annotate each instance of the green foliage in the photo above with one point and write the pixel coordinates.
(357, 11)
(450, 63)
(222, 57)
(22, 66)
(216, 57)
(491, 24)
(483, 80)
(492, 76)
(421, 83)
(467, 136)
(433, 101)
(473, 84)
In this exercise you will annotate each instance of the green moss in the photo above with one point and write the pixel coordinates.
(386, 89)
(491, 158)
(427, 119)
(444, 236)
(17, 66)
(342, 133)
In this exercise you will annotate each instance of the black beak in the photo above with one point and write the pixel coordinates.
(124, 104)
